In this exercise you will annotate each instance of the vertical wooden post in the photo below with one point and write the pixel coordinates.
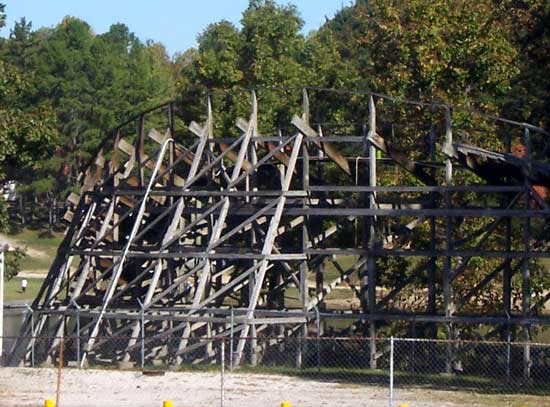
(363, 276)
(371, 244)
(280, 277)
(319, 275)
(116, 179)
(139, 149)
(251, 184)
(172, 145)
(304, 270)
(213, 226)
(432, 269)
(525, 272)
(171, 273)
(447, 296)
(507, 271)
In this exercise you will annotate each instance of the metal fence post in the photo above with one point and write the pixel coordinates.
(231, 338)
(78, 336)
(222, 384)
(391, 372)
(33, 337)
(142, 351)
(508, 348)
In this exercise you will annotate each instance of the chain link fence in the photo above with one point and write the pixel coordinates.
(500, 371)
(314, 371)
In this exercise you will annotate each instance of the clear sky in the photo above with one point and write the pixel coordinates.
(175, 23)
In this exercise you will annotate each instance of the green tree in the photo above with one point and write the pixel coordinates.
(96, 82)
(458, 52)
(527, 24)
(13, 263)
(12, 259)
(27, 131)
(217, 62)
(61, 89)
(268, 54)
(272, 57)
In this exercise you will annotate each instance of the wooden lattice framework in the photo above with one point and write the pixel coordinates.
(208, 235)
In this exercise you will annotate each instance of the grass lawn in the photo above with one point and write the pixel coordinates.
(12, 289)
(37, 238)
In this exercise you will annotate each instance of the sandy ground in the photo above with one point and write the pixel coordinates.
(26, 387)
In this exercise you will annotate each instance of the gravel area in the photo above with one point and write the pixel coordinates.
(26, 387)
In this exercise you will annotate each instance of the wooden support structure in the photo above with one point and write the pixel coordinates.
(371, 240)
(184, 234)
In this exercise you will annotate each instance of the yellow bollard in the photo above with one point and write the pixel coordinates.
(403, 405)
(167, 403)
(49, 403)
(285, 404)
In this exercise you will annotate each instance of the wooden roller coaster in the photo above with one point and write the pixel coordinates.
(178, 232)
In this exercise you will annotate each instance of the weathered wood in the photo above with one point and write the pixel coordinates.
(401, 159)
(328, 148)
(224, 214)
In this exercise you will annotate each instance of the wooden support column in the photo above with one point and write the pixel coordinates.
(319, 274)
(253, 340)
(507, 271)
(447, 295)
(269, 240)
(304, 270)
(172, 151)
(372, 241)
(139, 148)
(205, 279)
(280, 278)
(525, 271)
(432, 269)
(170, 274)
(251, 184)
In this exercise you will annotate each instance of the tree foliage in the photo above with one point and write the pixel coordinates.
(527, 24)
(61, 88)
(13, 263)
(27, 126)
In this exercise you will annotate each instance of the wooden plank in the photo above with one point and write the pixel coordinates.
(179, 150)
(328, 148)
(73, 198)
(279, 155)
(232, 155)
(401, 159)
(125, 147)
(68, 216)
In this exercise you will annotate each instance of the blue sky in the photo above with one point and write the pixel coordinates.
(175, 23)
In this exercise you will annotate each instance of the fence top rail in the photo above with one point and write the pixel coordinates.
(226, 338)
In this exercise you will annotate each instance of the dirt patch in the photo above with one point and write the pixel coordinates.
(28, 250)
(31, 252)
